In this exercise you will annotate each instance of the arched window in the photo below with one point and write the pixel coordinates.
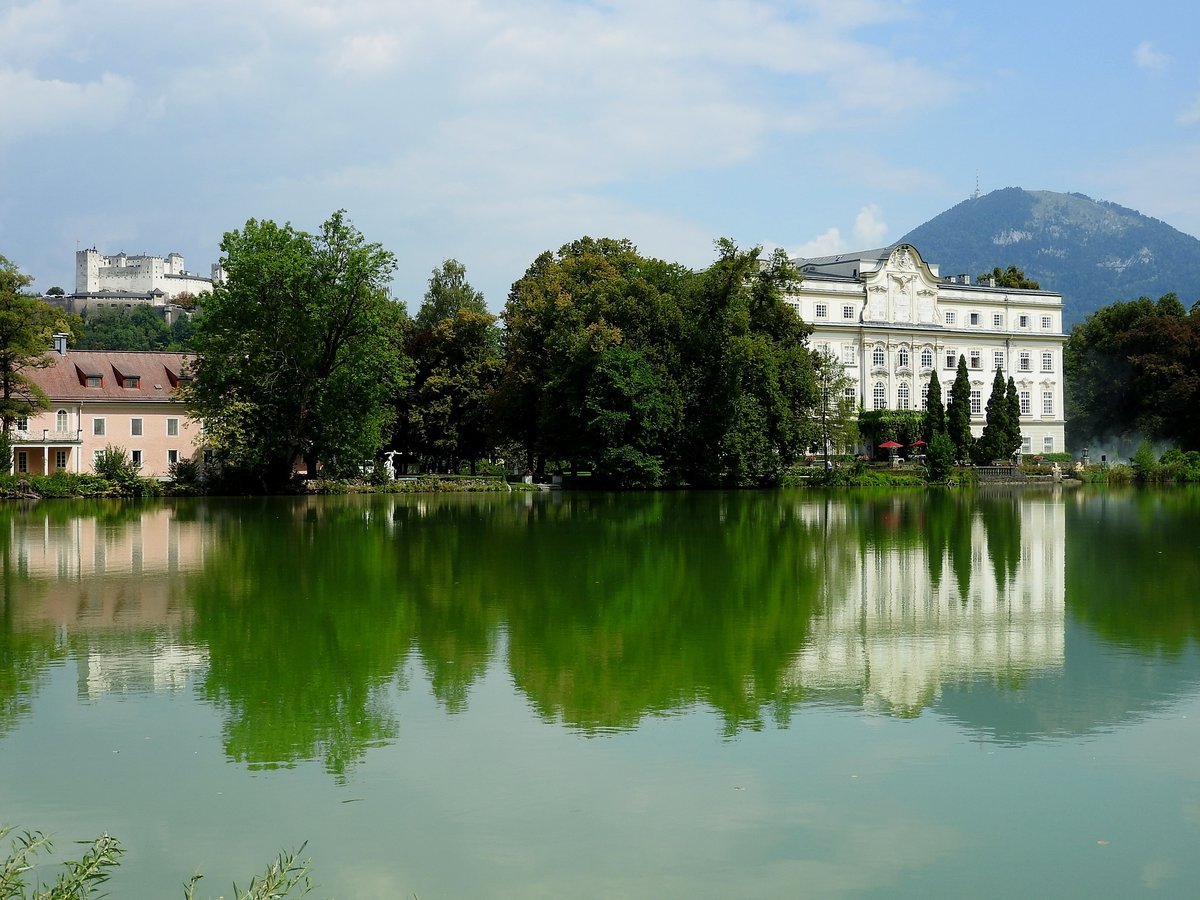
(925, 395)
(877, 358)
(60, 421)
(902, 395)
(902, 358)
(926, 358)
(880, 395)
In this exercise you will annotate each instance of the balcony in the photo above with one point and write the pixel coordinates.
(47, 437)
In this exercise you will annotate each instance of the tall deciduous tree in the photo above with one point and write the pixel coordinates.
(836, 414)
(26, 327)
(455, 348)
(958, 412)
(299, 351)
(447, 294)
(750, 384)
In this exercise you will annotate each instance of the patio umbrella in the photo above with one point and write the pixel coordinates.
(917, 443)
(890, 445)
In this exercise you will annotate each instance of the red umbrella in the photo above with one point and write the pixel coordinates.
(890, 445)
(917, 443)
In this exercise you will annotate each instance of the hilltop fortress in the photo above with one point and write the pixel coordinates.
(122, 274)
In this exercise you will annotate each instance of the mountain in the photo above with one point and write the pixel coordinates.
(1090, 251)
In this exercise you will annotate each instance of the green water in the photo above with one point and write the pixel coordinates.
(771, 694)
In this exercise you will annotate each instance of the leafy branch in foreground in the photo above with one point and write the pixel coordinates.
(81, 878)
(281, 876)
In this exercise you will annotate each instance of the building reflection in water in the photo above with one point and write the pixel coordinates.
(899, 619)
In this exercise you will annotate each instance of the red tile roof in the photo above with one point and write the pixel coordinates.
(66, 378)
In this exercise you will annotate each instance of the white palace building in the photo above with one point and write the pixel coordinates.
(894, 321)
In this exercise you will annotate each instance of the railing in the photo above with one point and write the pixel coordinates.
(49, 437)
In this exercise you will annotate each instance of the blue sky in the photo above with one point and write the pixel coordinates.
(491, 130)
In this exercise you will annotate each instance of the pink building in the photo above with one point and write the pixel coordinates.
(100, 398)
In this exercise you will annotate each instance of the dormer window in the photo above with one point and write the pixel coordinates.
(131, 381)
(94, 381)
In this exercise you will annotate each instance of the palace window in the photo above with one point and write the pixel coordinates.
(847, 312)
(902, 358)
(877, 356)
(1048, 444)
(951, 358)
(1023, 321)
(951, 317)
(998, 360)
(925, 395)
(60, 459)
(902, 395)
(976, 403)
(850, 392)
(60, 421)
(849, 355)
(1023, 364)
(976, 359)
(1047, 322)
(1026, 444)
(974, 318)
(98, 427)
(879, 395)
(822, 310)
(997, 320)
(1047, 361)
(926, 358)
(1025, 402)
(1047, 403)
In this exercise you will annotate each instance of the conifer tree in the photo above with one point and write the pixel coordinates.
(935, 411)
(995, 438)
(1012, 406)
(958, 412)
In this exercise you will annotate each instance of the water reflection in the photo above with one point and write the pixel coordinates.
(298, 618)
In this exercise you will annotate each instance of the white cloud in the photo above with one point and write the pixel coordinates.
(825, 244)
(869, 229)
(1146, 56)
(31, 107)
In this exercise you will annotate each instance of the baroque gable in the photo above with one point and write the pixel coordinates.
(902, 290)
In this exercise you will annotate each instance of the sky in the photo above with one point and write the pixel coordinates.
(489, 131)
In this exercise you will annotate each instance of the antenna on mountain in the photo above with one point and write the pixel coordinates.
(975, 196)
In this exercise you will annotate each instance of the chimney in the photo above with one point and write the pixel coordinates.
(60, 343)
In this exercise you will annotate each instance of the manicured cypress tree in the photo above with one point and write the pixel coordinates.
(995, 437)
(1012, 406)
(935, 412)
(958, 412)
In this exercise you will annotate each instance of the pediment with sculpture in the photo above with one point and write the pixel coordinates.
(902, 290)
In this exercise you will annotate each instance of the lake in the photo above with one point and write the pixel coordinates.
(989, 693)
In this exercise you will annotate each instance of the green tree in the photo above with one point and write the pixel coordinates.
(935, 411)
(26, 326)
(1134, 368)
(749, 376)
(958, 413)
(591, 362)
(445, 413)
(299, 351)
(448, 293)
(939, 458)
(1012, 409)
(996, 437)
(1012, 277)
(836, 415)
